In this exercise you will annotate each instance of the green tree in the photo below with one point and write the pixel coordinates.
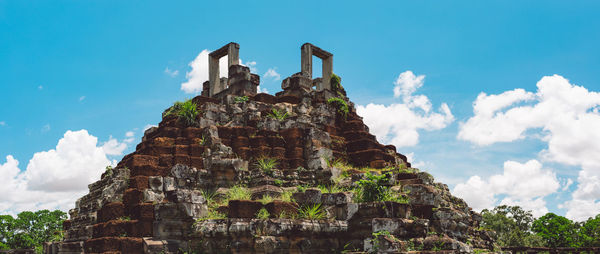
(557, 231)
(589, 232)
(30, 229)
(512, 225)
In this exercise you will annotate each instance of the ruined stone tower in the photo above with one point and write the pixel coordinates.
(236, 171)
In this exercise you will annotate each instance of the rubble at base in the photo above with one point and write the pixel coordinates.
(163, 197)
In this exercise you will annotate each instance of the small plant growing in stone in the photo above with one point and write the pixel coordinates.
(186, 111)
(374, 188)
(341, 104)
(263, 214)
(278, 114)
(240, 99)
(278, 182)
(238, 193)
(286, 196)
(125, 218)
(108, 171)
(212, 215)
(312, 212)
(203, 140)
(376, 235)
(287, 215)
(266, 199)
(330, 188)
(210, 197)
(266, 164)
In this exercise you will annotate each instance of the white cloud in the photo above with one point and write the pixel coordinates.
(2, 123)
(261, 90)
(399, 123)
(53, 179)
(564, 115)
(525, 184)
(272, 73)
(250, 64)
(172, 73)
(129, 134)
(82, 98)
(114, 147)
(40, 87)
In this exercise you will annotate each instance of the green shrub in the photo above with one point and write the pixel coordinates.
(312, 212)
(278, 114)
(239, 99)
(188, 112)
(336, 82)
(266, 164)
(185, 111)
(341, 104)
(375, 188)
(262, 214)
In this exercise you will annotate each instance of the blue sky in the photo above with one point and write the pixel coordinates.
(100, 66)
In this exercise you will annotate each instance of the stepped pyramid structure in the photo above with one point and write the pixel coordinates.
(297, 172)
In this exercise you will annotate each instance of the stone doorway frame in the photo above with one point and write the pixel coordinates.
(308, 50)
(232, 51)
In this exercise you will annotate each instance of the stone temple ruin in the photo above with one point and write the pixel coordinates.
(206, 186)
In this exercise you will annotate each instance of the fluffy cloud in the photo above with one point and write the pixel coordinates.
(2, 123)
(399, 123)
(114, 147)
(199, 73)
(53, 179)
(272, 73)
(523, 184)
(564, 115)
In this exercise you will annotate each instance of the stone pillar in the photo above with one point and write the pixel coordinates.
(232, 50)
(327, 72)
(306, 59)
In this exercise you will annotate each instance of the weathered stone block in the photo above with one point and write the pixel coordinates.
(244, 208)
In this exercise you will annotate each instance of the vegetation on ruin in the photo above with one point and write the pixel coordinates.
(312, 212)
(240, 99)
(341, 106)
(336, 82)
(266, 164)
(108, 171)
(376, 188)
(212, 215)
(186, 111)
(280, 115)
(238, 193)
(29, 230)
(262, 214)
(332, 188)
(286, 196)
(202, 141)
(266, 199)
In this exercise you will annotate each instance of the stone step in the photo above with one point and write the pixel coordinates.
(130, 245)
